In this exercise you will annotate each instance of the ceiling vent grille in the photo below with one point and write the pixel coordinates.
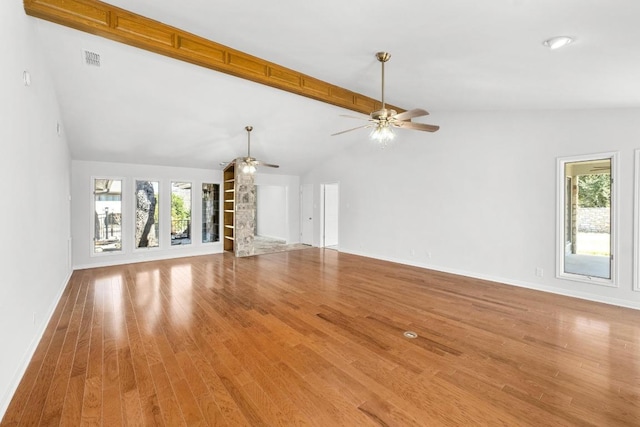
(91, 58)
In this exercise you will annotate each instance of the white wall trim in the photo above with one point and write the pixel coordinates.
(124, 219)
(5, 400)
(636, 221)
(560, 204)
(143, 256)
(501, 280)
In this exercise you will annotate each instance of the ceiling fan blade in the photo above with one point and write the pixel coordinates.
(409, 114)
(417, 126)
(261, 163)
(349, 130)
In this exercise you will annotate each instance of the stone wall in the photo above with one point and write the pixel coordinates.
(594, 220)
(245, 205)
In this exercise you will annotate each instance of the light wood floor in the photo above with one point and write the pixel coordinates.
(315, 337)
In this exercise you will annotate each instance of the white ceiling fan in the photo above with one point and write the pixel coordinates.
(384, 120)
(248, 164)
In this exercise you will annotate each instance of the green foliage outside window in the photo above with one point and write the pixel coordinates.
(178, 210)
(594, 191)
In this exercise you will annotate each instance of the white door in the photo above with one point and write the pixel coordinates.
(330, 214)
(306, 200)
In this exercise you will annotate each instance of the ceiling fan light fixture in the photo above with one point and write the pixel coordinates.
(248, 168)
(382, 134)
(557, 42)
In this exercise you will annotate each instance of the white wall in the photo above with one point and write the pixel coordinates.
(292, 185)
(35, 215)
(478, 197)
(271, 211)
(330, 215)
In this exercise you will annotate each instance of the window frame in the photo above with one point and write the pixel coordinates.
(192, 242)
(560, 220)
(202, 212)
(134, 205)
(124, 218)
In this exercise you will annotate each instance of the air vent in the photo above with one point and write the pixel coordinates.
(91, 58)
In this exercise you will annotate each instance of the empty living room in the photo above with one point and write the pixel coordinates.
(328, 214)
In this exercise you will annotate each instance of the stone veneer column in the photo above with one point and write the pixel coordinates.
(245, 215)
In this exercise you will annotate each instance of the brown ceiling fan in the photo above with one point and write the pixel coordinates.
(384, 120)
(249, 163)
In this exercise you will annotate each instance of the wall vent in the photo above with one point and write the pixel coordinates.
(91, 58)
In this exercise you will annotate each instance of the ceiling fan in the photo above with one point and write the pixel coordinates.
(248, 164)
(384, 120)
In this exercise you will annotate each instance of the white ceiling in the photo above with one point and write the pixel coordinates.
(455, 55)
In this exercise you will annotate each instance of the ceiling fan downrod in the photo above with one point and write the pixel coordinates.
(249, 129)
(383, 57)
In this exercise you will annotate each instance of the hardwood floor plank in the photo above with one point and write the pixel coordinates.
(52, 410)
(315, 337)
(221, 397)
(169, 408)
(256, 361)
(91, 414)
(72, 407)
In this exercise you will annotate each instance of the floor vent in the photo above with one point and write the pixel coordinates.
(91, 58)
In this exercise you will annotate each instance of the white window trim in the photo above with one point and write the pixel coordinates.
(636, 222)
(560, 206)
(92, 222)
(193, 242)
(220, 212)
(134, 204)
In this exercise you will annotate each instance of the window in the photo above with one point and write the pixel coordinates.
(586, 220)
(147, 206)
(180, 213)
(210, 213)
(107, 224)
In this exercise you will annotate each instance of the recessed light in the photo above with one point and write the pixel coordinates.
(558, 42)
(410, 334)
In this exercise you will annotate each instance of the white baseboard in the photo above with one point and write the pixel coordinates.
(137, 257)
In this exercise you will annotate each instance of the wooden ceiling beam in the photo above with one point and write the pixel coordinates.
(105, 20)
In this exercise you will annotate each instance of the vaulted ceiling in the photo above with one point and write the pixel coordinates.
(459, 55)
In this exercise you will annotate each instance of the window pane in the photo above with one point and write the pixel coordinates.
(210, 213)
(587, 218)
(180, 213)
(147, 204)
(107, 234)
